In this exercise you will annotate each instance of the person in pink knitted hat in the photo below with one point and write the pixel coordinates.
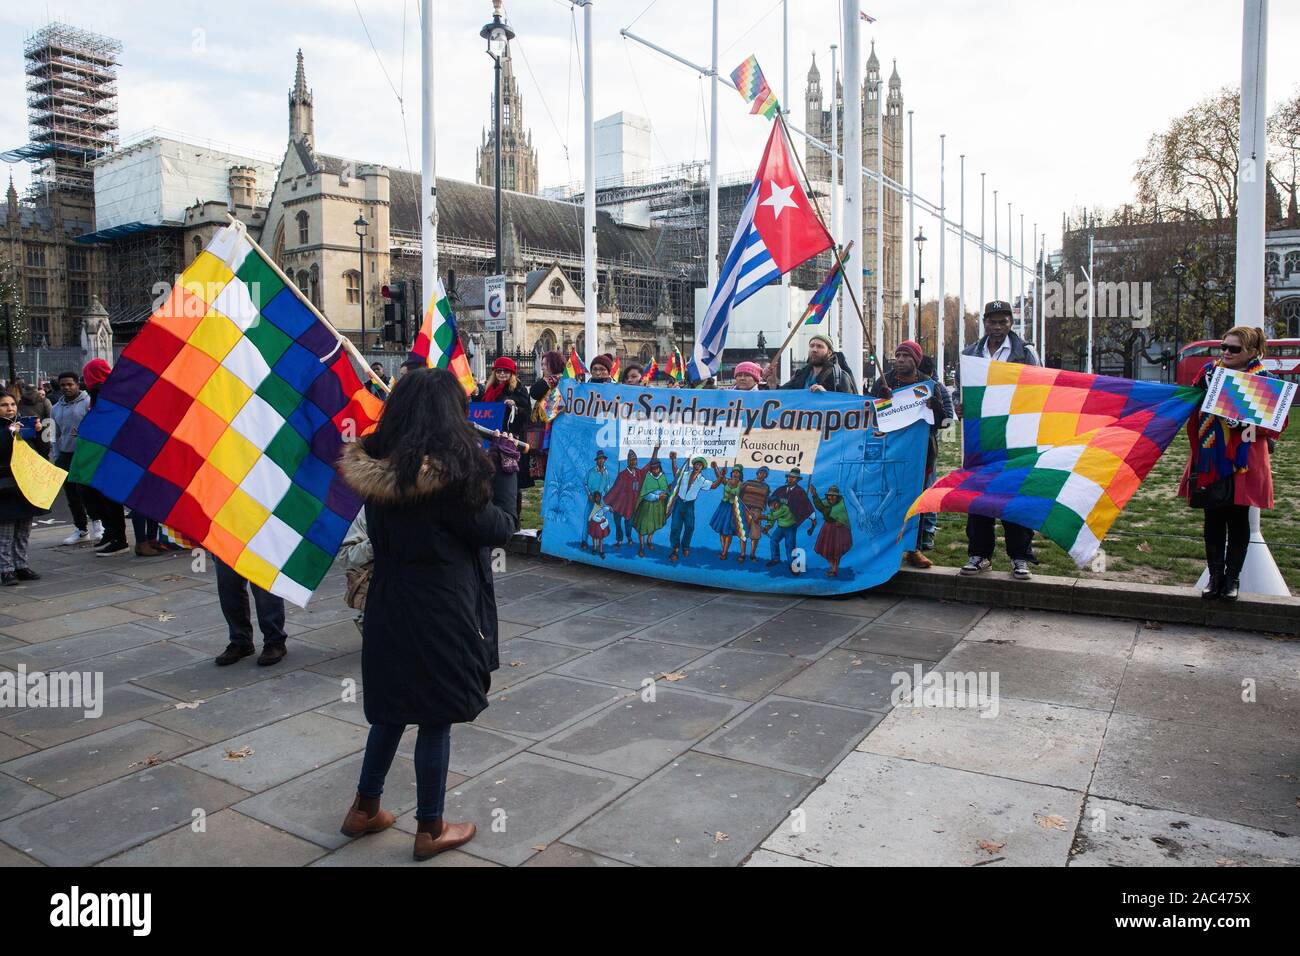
(748, 375)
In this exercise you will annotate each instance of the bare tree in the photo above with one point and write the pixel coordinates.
(1193, 164)
(1284, 156)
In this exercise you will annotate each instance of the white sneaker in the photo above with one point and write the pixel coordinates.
(77, 537)
(97, 531)
(1020, 570)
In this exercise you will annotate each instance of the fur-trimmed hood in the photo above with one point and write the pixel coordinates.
(375, 479)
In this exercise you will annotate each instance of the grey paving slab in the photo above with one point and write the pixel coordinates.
(863, 605)
(10, 747)
(636, 737)
(57, 585)
(730, 809)
(52, 654)
(530, 583)
(852, 679)
(1033, 673)
(99, 823)
(347, 666)
(539, 610)
(891, 640)
(474, 749)
(193, 620)
(228, 839)
(1078, 633)
(522, 658)
(1021, 740)
(11, 857)
(883, 811)
(799, 632)
(794, 735)
(313, 806)
(588, 630)
(278, 752)
(1220, 651)
(768, 858)
(935, 615)
(18, 797)
(630, 662)
(393, 848)
(560, 854)
(48, 726)
(170, 602)
(69, 625)
(1225, 773)
(9, 643)
(203, 680)
(745, 675)
(141, 661)
(98, 758)
(526, 802)
(778, 602)
(345, 708)
(543, 705)
(250, 707)
(655, 604)
(1211, 695)
(342, 637)
(708, 625)
(77, 601)
(508, 629)
(1120, 834)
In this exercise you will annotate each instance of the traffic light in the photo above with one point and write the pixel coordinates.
(394, 310)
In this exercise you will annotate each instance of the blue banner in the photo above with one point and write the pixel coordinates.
(490, 415)
(781, 491)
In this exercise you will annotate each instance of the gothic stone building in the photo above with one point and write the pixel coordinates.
(518, 157)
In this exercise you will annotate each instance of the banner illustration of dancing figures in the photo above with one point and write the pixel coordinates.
(778, 491)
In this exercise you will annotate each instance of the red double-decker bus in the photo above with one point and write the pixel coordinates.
(1282, 358)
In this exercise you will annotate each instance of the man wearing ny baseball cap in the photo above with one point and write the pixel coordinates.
(1002, 345)
(826, 370)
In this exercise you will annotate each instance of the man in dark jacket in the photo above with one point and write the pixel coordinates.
(826, 370)
(1000, 344)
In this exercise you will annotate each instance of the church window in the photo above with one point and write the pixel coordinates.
(314, 282)
(302, 281)
(546, 341)
(352, 283)
(79, 294)
(1291, 263)
(302, 228)
(198, 246)
(1291, 317)
(37, 292)
(1272, 264)
(557, 292)
(77, 261)
(36, 256)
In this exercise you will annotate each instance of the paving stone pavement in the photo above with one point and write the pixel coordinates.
(634, 722)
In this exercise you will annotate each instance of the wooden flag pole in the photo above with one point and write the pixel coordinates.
(839, 256)
(289, 283)
(800, 321)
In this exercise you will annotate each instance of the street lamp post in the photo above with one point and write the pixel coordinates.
(498, 37)
(920, 281)
(362, 226)
(1180, 268)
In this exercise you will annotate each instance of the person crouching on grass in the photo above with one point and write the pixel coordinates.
(16, 511)
(435, 507)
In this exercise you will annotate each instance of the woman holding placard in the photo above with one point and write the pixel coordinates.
(16, 512)
(1228, 471)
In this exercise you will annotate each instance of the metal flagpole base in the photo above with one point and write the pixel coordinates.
(1259, 575)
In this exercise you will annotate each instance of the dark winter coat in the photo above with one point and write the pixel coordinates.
(429, 643)
(834, 376)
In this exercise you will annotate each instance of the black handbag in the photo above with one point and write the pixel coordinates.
(1217, 494)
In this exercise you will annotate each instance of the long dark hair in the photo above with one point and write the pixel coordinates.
(427, 415)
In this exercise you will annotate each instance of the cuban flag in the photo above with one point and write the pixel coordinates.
(778, 230)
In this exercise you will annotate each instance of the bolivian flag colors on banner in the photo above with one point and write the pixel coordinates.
(224, 417)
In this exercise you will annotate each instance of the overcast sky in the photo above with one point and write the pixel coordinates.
(1054, 100)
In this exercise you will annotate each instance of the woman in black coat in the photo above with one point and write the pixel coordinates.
(16, 512)
(434, 509)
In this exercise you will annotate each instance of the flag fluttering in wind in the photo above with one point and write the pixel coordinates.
(651, 371)
(438, 345)
(1057, 451)
(574, 367)
(676, 366)
(752, 85)
(778, 230)
(864, 16)
(613, 372)
(224, 417)
(821, 301)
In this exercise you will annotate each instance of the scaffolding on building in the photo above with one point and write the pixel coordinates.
(146, 262)
(71, 102)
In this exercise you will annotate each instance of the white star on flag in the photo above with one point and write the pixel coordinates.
(779, 199)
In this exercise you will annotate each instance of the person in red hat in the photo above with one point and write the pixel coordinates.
(505, 387)
(906, 371)
(602, 366)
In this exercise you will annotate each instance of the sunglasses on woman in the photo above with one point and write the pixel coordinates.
(1234, 349)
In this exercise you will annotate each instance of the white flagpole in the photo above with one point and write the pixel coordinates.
(589, 187)
(912, 318)
(852, 344)
(1021, 273)
(1033, 329)
(428, 165)
(836, 232)
(1011, 289)
(878, 330)
(980, 303)
(787, 355)
(961, 266)
(940, 324)
(1092, 297)
(995, 245)
(712, 255)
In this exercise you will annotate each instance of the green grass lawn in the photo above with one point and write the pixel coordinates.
(1157, 538)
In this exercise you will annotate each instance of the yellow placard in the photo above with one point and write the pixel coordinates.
(39, 480)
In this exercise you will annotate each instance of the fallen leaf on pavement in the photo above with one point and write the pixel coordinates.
(166, 616)
(719, 837)
(1052, 822)
(539, 846)
(516, 663)
(676, 676)
(149, 761)
(1144, 547)
(185, 706)
(1153, 626)
(990, 847)
(240, 754)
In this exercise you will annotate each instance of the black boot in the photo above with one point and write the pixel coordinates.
(1211, 590)
(1231, 584)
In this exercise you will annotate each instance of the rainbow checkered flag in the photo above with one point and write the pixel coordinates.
(823, 297)
(438, 345)
(752, 85)
(1057, 451)
(224, 418)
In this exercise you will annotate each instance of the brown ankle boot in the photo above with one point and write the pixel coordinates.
(434, 836)
(365, 817)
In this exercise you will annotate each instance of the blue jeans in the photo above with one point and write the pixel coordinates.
(683, 525)
(929, 521)
(789, 536)
(432, 752)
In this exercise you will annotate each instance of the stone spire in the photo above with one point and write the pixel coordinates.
(301, 125)
(814, 74)
(12, 197)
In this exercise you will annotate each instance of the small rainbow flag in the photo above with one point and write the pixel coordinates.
(821, 301)
(752, 85)
(438, 345)
(676, 366)
(613, 372)
(651, 371)
(574, 367)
